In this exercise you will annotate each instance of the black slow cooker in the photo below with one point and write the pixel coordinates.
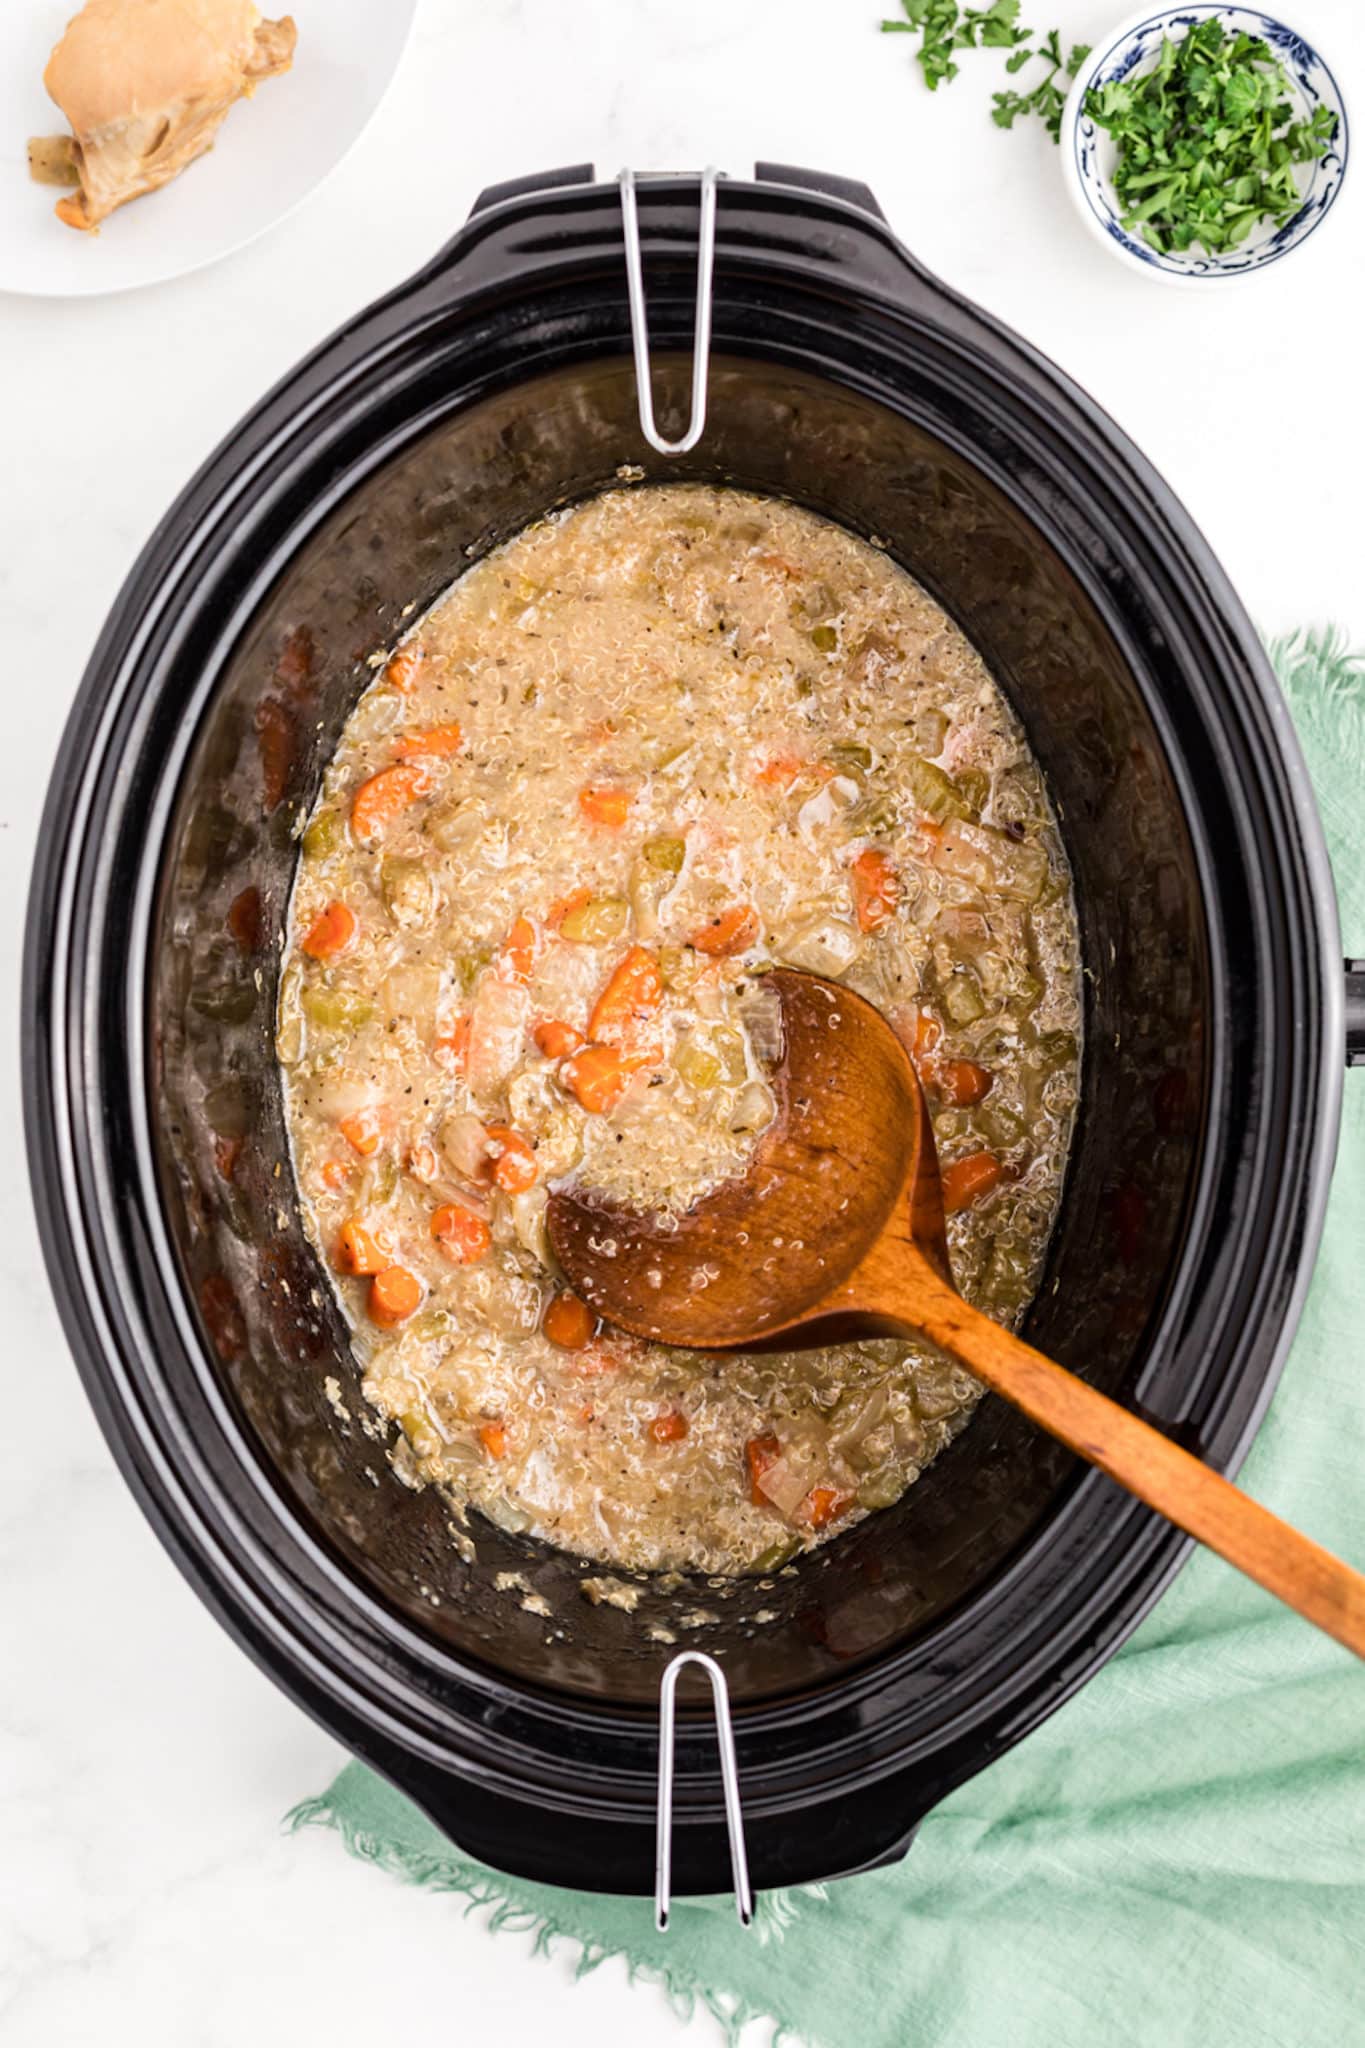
(495, 384)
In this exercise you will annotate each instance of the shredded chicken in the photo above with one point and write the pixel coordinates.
(145, 85)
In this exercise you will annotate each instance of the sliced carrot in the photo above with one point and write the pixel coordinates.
(514, 1163)
(760, 1452)
(395, 1294)
(562, 905)
(876, 889)
(669, 1428)
(961, 1082)
(362, 1131)
(437, 743)
(627, 1011)
(517, 955)
(569, 1323)
(464, 1237)
(358, 1250)
(556, 1039)
(598, 1076)
(451, 1049)
(387, 795)
(969, 1180)
(244, 919)
(331, 932)
(334, 1174)
(422, 1162)
(823, 1505)
(729, 931)
(401, 670)
(605, 805)
(493, 1437)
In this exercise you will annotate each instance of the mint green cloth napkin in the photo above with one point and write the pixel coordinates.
(1176, 1859)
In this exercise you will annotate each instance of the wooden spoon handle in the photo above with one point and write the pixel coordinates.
(1188, 1493)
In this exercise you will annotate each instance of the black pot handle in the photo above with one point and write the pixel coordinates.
(1355, 1013)
(850, 190)
(539, 181)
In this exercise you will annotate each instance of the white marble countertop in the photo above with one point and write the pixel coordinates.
(150, 1897)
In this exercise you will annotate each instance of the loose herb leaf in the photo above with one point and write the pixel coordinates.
(1046, 99)
(1207, 140)
(944, 27)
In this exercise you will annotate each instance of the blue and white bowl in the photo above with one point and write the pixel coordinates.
(1089, 153)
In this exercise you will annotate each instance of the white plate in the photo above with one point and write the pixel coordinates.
(271, 152)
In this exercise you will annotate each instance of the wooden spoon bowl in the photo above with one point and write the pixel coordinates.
(836, 1231)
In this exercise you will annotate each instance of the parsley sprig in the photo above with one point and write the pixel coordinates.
(1208, 140)
(944, 27)
(1047, 99)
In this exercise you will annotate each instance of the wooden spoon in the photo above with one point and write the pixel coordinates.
(836, 1231)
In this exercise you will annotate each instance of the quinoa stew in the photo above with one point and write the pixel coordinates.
(645, 751)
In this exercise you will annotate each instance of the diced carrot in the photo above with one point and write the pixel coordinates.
(729, 931)
(493, 1437)
(331, 932)
(395, 1294)
(876, 889)
(226, 1152)
(463, 1237)
(969, 1180)
(928, 1032)
(517, 955)
(823, 1505)
(783, 564)
(598, 1076)
(451, 1049)
(401, 670)
(779, 771)
(422, 1162)
(387, 795)
(334, 1174)
(437, 743)
(244, 919)
(358, 1250)
(562, 905)
(569, 1322)
(669, 1428)
(514, 1163)
(362, 1130)
(760, 1452)
(556, 1039)
(604, 805)
(626, 1013)
(961, 1082)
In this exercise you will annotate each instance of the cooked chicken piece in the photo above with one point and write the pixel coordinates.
(145, 83)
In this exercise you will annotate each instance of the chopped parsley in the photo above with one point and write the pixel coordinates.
(1208, 140)
(944, 28)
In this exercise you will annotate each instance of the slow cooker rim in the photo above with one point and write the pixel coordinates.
(1179, 1547)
